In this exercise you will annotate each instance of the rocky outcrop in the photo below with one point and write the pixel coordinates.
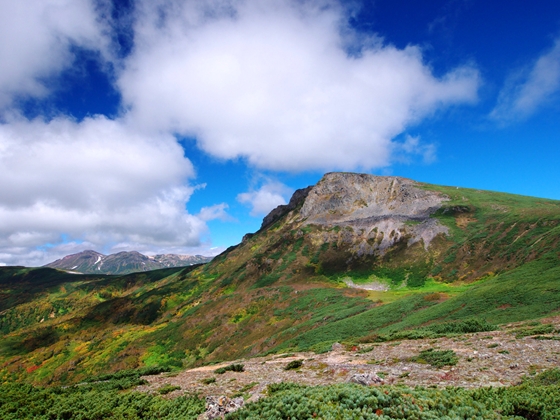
(378, 210)
(297, 198)
(366, 379)
(347, 198)
(218, 407)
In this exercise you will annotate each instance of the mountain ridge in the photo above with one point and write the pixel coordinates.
(492, 256)
(124, 262)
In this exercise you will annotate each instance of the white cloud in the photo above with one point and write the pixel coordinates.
(528, 89)
(98, 182)
(269, 82)
(217, 211)
(272, 82)
(411, 147)
(266, 198)
(36, 39)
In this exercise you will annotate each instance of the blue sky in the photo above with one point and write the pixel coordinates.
(174, 126)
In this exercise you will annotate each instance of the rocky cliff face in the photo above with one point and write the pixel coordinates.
(297, 198)
(342, 198)
(377, 211)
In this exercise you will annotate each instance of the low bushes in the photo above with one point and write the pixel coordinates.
(436, 358)
(537, 398)
(230, 368)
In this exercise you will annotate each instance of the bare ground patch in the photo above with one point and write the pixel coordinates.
(485, 359)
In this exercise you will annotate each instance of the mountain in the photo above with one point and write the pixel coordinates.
(354, 258)
(91, 262)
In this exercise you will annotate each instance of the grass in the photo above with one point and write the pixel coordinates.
(527, 292)
(430, 286)
(280, 290)
(436, 358)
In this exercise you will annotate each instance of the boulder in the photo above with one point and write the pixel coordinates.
(366, 379)
(218, 407)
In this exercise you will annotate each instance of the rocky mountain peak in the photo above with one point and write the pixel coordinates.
(378, 211)
(347, 197)
(297, 198)
(124, 262)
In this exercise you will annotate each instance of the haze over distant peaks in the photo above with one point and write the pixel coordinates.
(91, 262)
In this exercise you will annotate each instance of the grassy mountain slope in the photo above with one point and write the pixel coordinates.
(490, 255)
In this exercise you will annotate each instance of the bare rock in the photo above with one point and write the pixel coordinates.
(218, 407)
(379, 210)
(337, 347)
(346, 197)
(366, 379)
(297, 198)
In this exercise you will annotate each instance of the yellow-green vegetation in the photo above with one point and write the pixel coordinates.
(439, 290)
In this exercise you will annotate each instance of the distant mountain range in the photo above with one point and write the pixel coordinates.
(91, 262)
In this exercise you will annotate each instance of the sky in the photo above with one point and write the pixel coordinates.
(175, 126)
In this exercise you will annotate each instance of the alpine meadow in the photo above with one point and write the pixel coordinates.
(279, 210)
(356, 259)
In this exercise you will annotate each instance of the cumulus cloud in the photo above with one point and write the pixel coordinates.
(36, 40)
(286, 85)
(98, 182)
(528, 89)
(266, 198)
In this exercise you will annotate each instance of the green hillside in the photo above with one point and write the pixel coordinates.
(286, 287)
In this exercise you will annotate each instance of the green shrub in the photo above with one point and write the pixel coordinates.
(230, 368)
(236, 368)
(92, 401)
(282, 386)
(346, 401)
(436, 358)
(537, 398)
(323, 347)
(166, 389)
(462, 327)
(533, 330)
(294, 364)
(547, 378)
